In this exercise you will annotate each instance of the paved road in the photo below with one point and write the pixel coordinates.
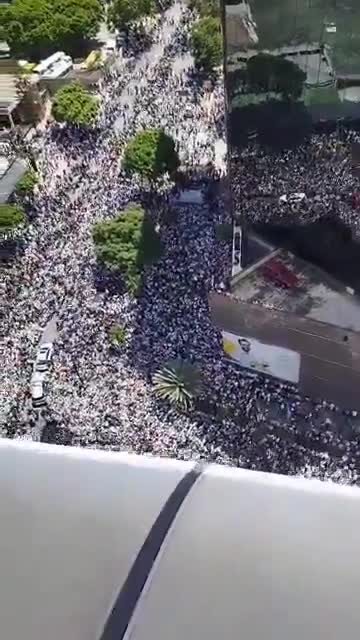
(50, 331)
(150, 58)
(330, 366)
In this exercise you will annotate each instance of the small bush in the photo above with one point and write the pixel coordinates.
(117, 335)
(11, 217)
(25, 186)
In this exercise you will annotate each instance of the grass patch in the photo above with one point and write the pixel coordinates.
(320, 95)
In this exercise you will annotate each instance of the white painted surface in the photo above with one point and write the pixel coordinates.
(256, 556)
(72, 522)
(270, 556)
(264, 358)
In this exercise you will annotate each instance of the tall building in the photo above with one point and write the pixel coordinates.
(292, 79)
(292, 68)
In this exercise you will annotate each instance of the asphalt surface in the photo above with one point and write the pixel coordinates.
(330, 365)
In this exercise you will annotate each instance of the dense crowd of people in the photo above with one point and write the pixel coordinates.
(321, 168)
(101, 396)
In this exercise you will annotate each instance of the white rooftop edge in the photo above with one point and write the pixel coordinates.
(249, 555)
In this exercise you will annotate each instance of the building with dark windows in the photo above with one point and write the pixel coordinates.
(293, 97)
(292, 85)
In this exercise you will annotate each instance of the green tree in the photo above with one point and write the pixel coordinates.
(36, 28)
(179, 382)
(123, 13)
(25, 186)
(151, 153)
(74, 105)
(126, 244)
(206, 43)
(206, 7)
(117, 335)
(11, 217)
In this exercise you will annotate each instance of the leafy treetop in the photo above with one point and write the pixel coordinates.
(11, 216)
(206, 43)
(25, 186)
(127, 243)
(206, 7)
(36, 28)
(151, 153)
(74, 105)
(123, 13)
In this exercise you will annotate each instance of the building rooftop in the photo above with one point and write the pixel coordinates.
(329, 366)
(104, 546)
(8, 93)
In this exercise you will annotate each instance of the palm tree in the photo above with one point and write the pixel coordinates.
(179, 382)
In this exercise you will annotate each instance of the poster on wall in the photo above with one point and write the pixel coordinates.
(262, 358)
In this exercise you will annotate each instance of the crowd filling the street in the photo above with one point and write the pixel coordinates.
(102, 396)
(319, 171)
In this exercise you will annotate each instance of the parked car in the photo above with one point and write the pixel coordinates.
(43, 357)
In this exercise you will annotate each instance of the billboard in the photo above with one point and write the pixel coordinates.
(263, 358)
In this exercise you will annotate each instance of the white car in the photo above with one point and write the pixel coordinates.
(38, 390)
(293, 197)
(43, 357)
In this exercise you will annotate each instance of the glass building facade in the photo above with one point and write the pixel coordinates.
(292, 72)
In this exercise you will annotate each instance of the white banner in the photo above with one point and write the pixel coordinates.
(263, 358)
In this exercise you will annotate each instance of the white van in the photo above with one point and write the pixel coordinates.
(38, 390)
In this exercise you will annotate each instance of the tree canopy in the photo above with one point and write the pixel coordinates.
(25, 186)
(206, 7)
(11, 217)
(266, 72)
(207, 43)
(127, 243)
(123, 13)
(74, 105)
(37, 28)
(151, 153)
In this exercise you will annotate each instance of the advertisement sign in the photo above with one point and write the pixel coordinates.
(262, 358)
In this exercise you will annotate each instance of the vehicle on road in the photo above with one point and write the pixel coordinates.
(292, 198)
(38, 389)
(43, 357)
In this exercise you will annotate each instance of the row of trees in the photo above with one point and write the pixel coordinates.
(125, 244)
(36, 28)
